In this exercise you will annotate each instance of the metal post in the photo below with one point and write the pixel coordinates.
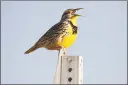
(69, 70)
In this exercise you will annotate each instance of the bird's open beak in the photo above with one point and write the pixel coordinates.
(77, 10)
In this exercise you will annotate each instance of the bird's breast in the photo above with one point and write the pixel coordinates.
(68, 39)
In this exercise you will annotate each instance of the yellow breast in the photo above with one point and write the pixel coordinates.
(68, 40)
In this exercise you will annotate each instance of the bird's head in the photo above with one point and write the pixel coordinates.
(70, 13)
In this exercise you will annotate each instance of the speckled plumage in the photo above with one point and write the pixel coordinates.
(61, 35)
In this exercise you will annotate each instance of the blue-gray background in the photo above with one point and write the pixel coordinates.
(101, 40)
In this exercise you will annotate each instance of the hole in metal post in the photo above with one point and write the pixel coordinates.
(81, 60)
(70, 69)
(69, 60)
(81, 81)
(69, 79)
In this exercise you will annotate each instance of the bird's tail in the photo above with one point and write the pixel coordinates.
(31, 50)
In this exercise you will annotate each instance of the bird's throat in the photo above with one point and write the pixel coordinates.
(74, 21)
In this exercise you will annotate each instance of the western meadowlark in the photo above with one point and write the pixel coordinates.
(61, 35)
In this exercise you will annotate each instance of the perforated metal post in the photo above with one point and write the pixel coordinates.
(69, 70)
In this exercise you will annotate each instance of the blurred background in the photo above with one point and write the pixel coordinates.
(102, 41)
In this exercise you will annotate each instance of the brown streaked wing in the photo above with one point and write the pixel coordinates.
(58, 29)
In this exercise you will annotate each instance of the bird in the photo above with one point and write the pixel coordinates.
(61, 35)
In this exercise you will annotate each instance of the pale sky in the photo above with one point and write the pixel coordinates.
(102, 41)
